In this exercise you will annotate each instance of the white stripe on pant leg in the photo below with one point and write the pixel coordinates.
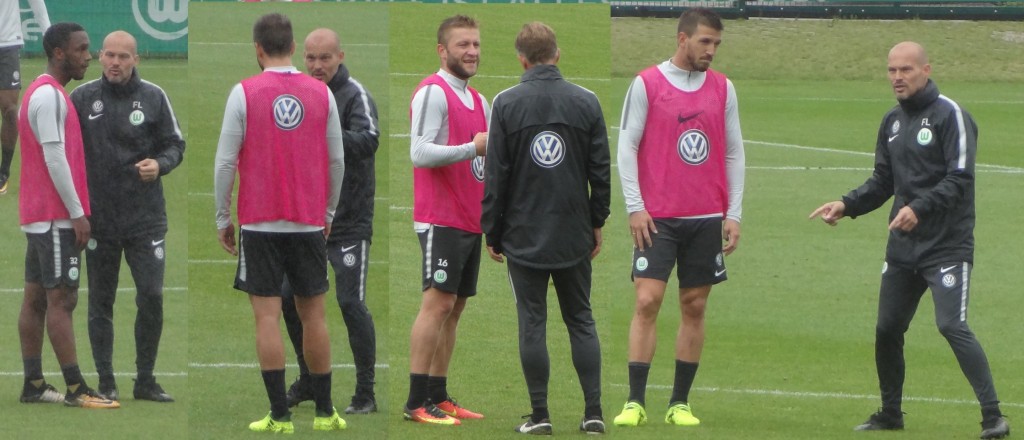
(515, 299)
(964, 290)
(56, 252)
(429, 256)
(241, 257)
(362, 270)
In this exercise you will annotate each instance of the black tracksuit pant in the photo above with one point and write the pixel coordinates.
(899, 296)
(572, 286)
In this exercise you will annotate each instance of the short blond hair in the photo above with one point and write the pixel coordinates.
(536, 42)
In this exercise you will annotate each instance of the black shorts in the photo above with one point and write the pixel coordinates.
(10, 68)
(52, 260)
(694, 246)
(264, 258)
(451, 259)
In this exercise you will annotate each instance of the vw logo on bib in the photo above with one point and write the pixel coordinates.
(693, 147)
(288, 112)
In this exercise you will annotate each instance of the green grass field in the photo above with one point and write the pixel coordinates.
(789, 353)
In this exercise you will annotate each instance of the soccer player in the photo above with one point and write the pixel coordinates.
(131, 138)
(547, 190)
(681, 163)
(348, 247)
(54, 205)
(11, 41)
(282, 134)
(449, 138)
(924, 159)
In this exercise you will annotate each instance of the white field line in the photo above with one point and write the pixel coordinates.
(86, 373)
(220, 365)
(120, 289)
(823, 395)
(516, 77)
(225, 43)
(823, 99)
(236, 262)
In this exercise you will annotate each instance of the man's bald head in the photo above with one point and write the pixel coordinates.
(119, 57)
(323, 54)
(908, 69)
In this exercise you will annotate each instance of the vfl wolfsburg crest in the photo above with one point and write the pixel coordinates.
(693, 147)
(440, 276)
(547, 149)
(641, 264)
(288, 112)
(924, 137)
(478, 168)
(137, 117)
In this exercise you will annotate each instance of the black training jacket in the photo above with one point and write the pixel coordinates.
(925, 157)
(353, 220)
(123, 124)
(547, 180)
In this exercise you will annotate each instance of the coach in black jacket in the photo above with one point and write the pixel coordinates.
(924, 158)
(348, 246)
(546, 196)
(131, 138)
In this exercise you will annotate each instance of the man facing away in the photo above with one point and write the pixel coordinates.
(924, 159)
(681, 163)
(547, 190)
(131, 139)
(282, 134)
(348, 246)
(11, 42)
(448, 140)
(54, 205)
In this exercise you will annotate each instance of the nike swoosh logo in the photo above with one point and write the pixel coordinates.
(157, 242)
(719, 273)
(15, 83)
(346, 249)
(91, 116)
(687, 118)
(947, 269)
(893, 137)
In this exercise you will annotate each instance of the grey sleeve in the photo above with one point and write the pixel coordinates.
(429, 110)
(735, 158)
(631, 130)
(226, 161)
(336, 155)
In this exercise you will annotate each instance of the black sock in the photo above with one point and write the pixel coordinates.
(321, 384)
(273, 380)
(438, 387)
(143, 377)
(593, 411)
(5, 165)
(685, 372)
(72, 376)
(418, 391)
(991, 412)
(638, 382)
(303, 368)
(539, 414)
(33, 369)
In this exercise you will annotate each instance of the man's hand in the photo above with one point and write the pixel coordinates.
(226, 237)
(495, 255)
(597, 243)
(905, 220)
(731, 235)
(480, 141)
(830, 212)
(149, 169)
(83, 230)
(641, 225)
